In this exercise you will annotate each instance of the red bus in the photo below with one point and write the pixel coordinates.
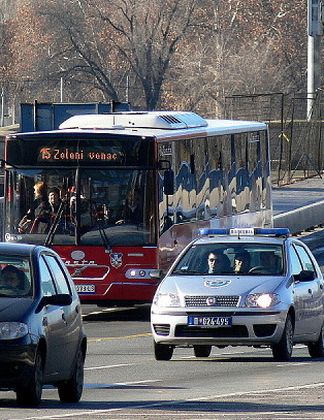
(134, 188)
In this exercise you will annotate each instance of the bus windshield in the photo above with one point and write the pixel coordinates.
(80, 206)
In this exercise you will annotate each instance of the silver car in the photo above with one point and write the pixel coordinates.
(254, 287)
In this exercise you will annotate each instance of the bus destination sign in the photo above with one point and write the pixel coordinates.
(70, 154)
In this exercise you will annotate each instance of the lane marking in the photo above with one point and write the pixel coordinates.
(121, 384)
(106, 310)
(123, 337)
(77, 414)
(293, 364)
(108, 366)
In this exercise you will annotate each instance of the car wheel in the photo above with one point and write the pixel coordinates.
(283, 350)
(31, 393)
(317, 349)
(202, 351)
(71, 390)
(163, 351)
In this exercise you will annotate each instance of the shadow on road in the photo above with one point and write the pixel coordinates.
(136, 313)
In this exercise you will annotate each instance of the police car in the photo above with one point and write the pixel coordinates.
(251, 286)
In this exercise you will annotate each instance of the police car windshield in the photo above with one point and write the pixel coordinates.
(232, 259)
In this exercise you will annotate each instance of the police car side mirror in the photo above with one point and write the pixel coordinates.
(305, 275)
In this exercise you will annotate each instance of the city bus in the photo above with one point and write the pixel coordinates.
(135, 188)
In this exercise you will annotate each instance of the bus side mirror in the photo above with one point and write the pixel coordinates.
(168, 182)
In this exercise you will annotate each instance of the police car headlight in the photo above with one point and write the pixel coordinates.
(166, 300)
(12, 330)
(262, 300)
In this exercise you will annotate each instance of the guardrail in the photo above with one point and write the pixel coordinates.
(302, 218)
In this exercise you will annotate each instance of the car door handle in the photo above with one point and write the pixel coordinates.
(64, 319)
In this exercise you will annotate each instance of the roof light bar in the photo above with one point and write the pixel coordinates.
(247, 231)
(272, 231)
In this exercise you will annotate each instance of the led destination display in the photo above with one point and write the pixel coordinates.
(70, 154)
(88, 151)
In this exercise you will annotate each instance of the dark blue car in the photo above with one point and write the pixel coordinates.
(42, 340)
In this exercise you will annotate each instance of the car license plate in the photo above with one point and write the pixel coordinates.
(85, 288)
(209, 321)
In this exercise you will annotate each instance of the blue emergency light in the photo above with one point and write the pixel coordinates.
(245, 231)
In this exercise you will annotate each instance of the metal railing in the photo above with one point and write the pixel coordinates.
(296, 142)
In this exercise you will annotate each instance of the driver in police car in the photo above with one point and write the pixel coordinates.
(218, 263)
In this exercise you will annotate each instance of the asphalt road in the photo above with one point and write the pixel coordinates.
(124, 381)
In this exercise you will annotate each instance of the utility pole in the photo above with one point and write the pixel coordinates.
(315, 14)
(2, 108)
(61, 89)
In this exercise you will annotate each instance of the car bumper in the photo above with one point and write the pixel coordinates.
(254, 328)
(16, 362)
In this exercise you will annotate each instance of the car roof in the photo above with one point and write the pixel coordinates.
(242, 235)
(235, 240)
(21, 249)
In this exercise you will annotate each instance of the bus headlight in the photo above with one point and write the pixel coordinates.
(139, 273)
(166, 300)
(262, 300)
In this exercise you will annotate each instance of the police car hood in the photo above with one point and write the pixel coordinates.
(220, 285)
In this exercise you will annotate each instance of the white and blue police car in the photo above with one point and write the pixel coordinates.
(240, 287)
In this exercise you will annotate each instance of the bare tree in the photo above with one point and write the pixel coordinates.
(104, 43)
(185, 54)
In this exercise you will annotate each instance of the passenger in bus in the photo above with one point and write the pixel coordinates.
(36, 219)
(54, 200)
(242, 262)
(218, 263)
(133, 207)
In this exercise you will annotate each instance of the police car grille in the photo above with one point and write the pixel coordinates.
(201, 301)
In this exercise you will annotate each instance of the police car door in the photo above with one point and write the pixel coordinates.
(306, 295)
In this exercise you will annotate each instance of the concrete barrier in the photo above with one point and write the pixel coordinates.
(302, 218)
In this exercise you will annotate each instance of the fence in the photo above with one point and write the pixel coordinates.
(296, 142)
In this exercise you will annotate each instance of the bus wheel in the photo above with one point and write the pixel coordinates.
(162, 351)
(202, 351)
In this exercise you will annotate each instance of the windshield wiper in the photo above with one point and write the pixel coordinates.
(52, 231)
(102, 231)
